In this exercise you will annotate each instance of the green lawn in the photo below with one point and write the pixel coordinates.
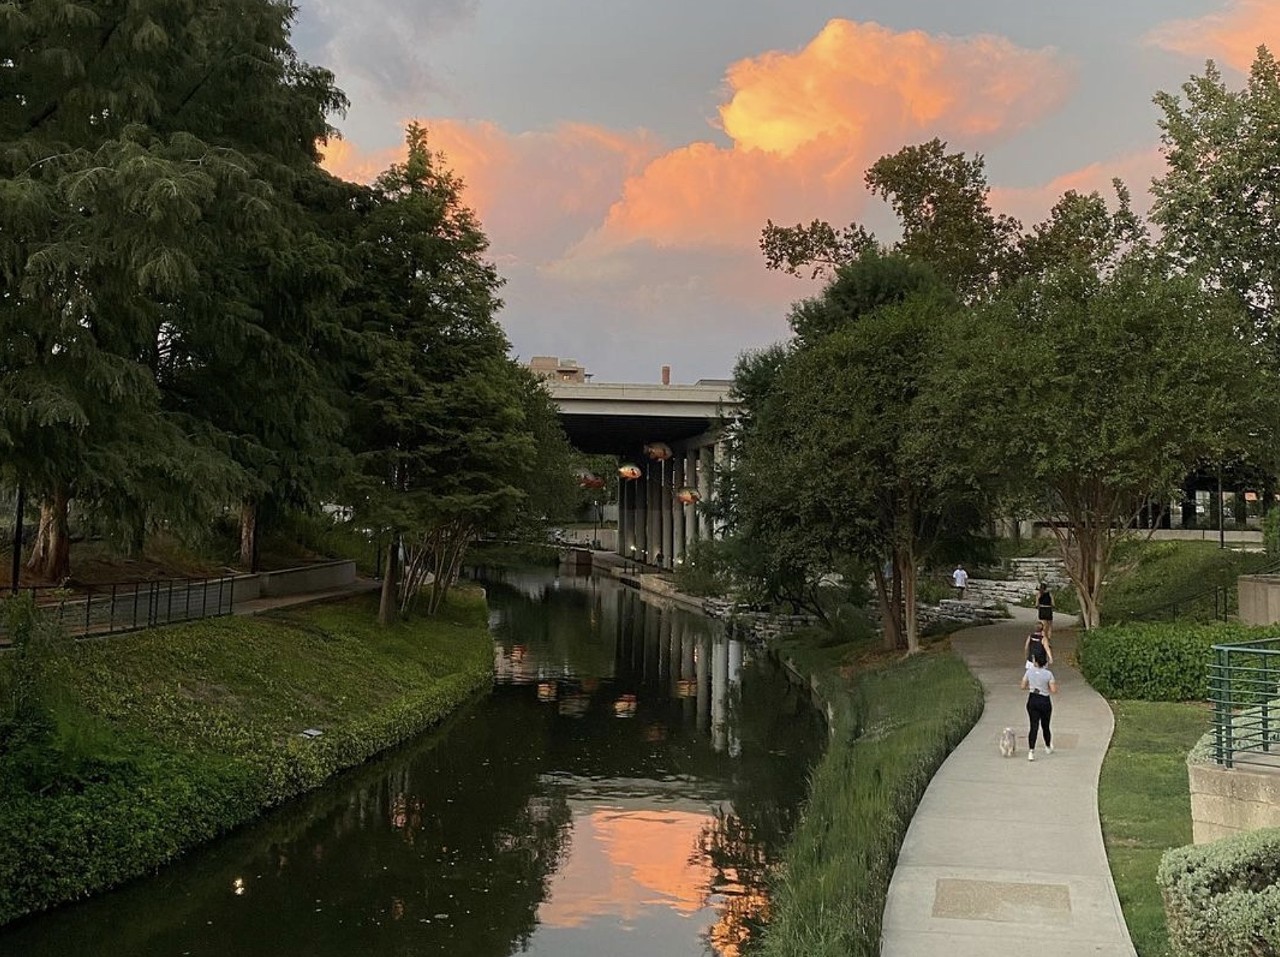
(1145, 806)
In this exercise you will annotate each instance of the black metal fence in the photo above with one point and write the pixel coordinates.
(1244, 689)
(109, 609)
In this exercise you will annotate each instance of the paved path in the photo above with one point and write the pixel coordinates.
(1005, 856)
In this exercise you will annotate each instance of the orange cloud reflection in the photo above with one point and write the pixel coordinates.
(1232, 35)
(622, 861)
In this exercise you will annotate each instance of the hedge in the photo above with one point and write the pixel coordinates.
(1223, 899)
(1165, 661)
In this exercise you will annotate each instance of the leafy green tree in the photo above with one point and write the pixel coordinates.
(1217, 203)
(941, 200)
(439, 414)
(123, 189)
(1095, 394)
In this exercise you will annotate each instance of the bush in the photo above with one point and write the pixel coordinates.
(1223, 899)
(1164, 661)
(706, 570)
(1271, 533)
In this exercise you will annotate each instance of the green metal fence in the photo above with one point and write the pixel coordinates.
(1244, 690)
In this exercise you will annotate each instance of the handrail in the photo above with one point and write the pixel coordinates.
(1244, 690)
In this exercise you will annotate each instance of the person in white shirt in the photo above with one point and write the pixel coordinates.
(960, 578)
(1039, 682)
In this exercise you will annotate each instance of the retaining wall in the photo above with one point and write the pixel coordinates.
(1259, 599)
(1226, 801)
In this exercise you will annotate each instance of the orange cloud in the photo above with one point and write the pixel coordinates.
(1232, 35)
(535, 192)
(805, 125)
(861, 82)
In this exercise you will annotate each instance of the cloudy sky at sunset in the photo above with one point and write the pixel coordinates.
(623, 154)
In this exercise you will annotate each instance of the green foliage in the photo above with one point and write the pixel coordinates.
(1223, 898)
(1271, 533)
(1215, 201)
(512, 554)
(1095, 448)
(707, 569)
(1157, 662)
(893, 729)
(173, 736)
(1171, 579)
(1145, 807)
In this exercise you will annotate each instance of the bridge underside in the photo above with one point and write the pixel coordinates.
(626, 435)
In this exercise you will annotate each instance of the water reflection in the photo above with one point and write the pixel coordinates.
(612, 795)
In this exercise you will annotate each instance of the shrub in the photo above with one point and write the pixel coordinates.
(1271, 533)
(706, 569)
(1223, 899)
(1165, 661)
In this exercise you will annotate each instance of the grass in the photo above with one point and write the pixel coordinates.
(150, 743)
(1145, 806)
(894, 721)
(1147, 577)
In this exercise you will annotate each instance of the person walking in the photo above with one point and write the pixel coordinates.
(1039, 682)
(1044, 610)
(1037, 640)
(960, 579)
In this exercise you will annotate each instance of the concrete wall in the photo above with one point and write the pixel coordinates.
(1259, 599)
(1231, 801)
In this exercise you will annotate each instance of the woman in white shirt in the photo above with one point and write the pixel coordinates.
(1039, 682)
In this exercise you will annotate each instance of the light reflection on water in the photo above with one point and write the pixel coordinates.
(610, 796)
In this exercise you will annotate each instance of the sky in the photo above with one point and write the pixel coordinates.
(623, 155)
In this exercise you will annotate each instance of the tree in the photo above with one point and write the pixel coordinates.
(122, 194)
(1218, 203)
(1097, 393)
(438, 412)
(941, 200)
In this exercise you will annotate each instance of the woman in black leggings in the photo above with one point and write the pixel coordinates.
(1039, 682)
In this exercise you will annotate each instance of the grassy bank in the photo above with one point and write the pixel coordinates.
(1145, 806)
(145, 745)
(894, 723)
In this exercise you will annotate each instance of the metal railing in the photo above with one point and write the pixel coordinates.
(1244, 690)
(1223, 598)
(132, 606)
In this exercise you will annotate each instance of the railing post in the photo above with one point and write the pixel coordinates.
(111, 612)
(88, 607)
(1219, 711)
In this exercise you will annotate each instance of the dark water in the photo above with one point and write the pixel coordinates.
(625, 789)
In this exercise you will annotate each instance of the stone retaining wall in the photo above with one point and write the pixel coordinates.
(1226, 801)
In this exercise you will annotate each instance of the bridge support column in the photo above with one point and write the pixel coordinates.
(653, 512)
(690, 511)
(706, 462)
(677, 510)
(624, 519)
(666, 509)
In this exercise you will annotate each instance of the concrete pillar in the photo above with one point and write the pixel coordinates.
(702, 667)
(691, 511)
(624, 518)
(640, 517)
(653, 511)
(667, 507)
(677, 510)
(706, 464)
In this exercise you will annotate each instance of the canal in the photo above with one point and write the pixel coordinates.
(626, 788)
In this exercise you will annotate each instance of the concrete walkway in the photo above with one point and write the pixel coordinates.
(1005, 856)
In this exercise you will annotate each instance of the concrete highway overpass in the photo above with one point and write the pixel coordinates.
(654, 525)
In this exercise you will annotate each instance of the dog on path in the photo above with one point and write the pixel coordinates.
(1008, 743)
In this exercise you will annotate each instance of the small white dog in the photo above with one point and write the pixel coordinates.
(1008, 743)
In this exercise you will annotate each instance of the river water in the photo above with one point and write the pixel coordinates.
(626, 789)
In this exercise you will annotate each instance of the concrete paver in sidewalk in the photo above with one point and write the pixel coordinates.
(1005, 856)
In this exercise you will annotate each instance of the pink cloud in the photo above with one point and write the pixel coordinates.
(1231, 35)
(1032, 204)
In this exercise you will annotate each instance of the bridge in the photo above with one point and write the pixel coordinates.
(658, 513)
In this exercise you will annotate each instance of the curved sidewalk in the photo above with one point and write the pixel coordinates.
(1005, 856)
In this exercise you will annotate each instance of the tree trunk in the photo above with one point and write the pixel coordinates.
(908, 574)
(51, 554)
(388, 609)
(249, 535)
(888, 612)
(137, 537)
